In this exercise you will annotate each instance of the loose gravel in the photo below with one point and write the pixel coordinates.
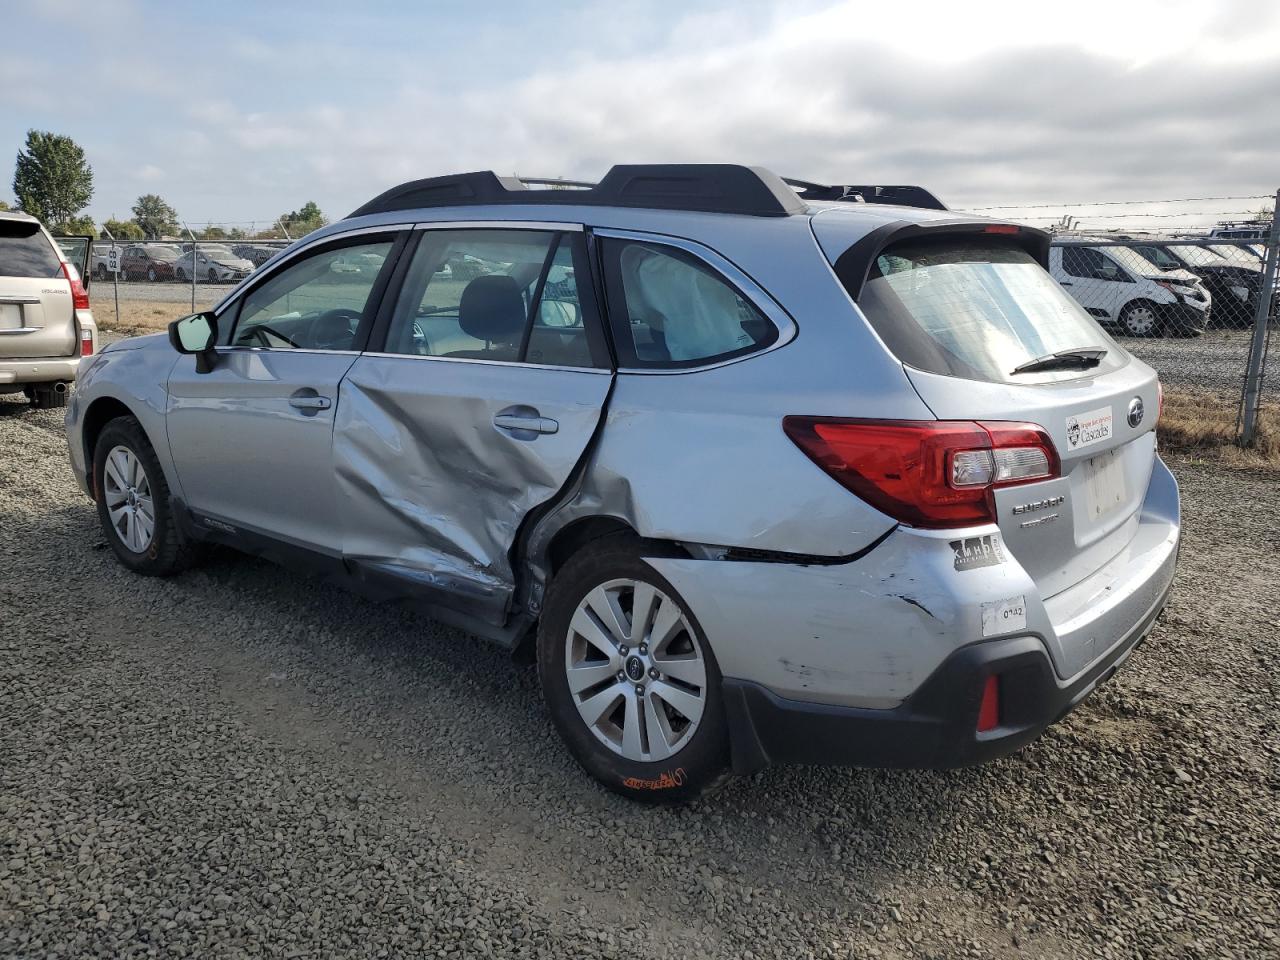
(243, 762)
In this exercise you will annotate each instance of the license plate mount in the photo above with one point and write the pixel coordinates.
(10, 316)
(1104, 483)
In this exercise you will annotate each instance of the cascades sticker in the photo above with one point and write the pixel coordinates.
(1094, 426)
(975, 552)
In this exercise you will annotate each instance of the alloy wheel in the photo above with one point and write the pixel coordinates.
(636, 670)
(130, 505)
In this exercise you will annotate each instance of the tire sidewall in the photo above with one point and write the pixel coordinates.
(702, 763)
(127, 432)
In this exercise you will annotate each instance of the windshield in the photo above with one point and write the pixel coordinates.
(1138, 263)
(1229, 251)
(976, 309)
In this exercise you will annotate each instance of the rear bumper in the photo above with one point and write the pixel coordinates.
(16, 373)
(934, 728)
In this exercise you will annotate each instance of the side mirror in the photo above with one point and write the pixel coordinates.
(197, 334)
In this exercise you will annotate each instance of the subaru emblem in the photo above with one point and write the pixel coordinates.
(1135, 411)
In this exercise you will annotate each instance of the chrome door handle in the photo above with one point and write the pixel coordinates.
(310, 403)
(511, 421)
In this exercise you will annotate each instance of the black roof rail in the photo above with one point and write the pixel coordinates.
(903, 196)
(699, 187)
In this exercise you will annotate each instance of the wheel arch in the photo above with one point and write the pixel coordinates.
(98, 414)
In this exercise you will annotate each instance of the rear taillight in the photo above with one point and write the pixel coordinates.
(86, 343)
(1159, 401)
(927, 473)
(79, 296)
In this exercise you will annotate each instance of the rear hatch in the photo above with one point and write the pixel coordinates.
(963, 309)
(37, 313)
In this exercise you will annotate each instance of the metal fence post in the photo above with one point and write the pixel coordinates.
(1252, 400)
(115, 276)
(194, 244)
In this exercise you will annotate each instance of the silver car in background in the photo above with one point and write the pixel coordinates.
(757, 470)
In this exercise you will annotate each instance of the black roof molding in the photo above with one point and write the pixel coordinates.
(901, 195)
(699, 187)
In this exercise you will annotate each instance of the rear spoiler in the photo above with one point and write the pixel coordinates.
(902, 195)
(854, 265)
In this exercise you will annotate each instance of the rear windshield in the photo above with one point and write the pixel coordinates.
(25, 252)
(976, 309)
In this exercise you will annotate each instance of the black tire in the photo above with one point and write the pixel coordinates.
(151, 274)
(212, 276)
(100, 271)
(169, 551)
(180, 274)
(701, 764)
(1141, 318)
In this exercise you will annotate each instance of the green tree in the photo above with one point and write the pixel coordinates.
(74, 227)
(304, 220)
(212, 233)
(154, 216)
(3, 205)
(52, 180)
(122, 230)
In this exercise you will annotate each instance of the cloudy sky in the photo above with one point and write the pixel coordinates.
(238, 111)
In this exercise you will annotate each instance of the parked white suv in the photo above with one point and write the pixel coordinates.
(1120, 287)
(45, 322)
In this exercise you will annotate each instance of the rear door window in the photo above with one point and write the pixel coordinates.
(976, 309)
(26, 252)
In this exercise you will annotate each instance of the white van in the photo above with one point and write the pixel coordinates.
(1120, 287)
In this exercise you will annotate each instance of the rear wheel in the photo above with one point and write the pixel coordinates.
(134, 506)
(151, 274)
(1139, 319)
(180, 274)
(212, 276)
(630, 679)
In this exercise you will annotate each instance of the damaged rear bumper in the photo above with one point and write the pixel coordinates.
(934, 728)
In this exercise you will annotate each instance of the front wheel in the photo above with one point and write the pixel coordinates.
(180, 274)
(151, 274)
(631, 682)
(212, 276)
(1139, 319)
(134, 507)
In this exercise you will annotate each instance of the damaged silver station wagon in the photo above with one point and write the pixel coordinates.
(758, 470)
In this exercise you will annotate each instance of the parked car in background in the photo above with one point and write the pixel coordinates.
(754, 478)
(213, 264)
(1242, 230)
(1234, 286)
(46, 326)
(257, 254)
(1120, 287)
(150, 261)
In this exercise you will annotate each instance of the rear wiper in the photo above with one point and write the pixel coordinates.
(1081, 357)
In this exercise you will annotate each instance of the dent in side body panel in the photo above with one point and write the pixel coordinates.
(133, 372)
(432, 490)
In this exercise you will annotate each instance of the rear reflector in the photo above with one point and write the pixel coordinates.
(79, 296)
(989, 712)
(927, 473)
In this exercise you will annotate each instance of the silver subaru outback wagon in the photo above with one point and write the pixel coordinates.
(757, 470)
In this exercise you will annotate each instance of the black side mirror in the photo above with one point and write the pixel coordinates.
(197, 334)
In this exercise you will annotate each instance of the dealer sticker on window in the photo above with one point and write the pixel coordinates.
(1084, 429)
(1004, 616)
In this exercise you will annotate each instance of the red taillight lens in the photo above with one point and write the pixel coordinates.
(927, 473)
(86, 343)
(1001, 228)
(79, 296)
(989, 711)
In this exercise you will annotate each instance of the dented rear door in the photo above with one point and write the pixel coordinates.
(461, 424)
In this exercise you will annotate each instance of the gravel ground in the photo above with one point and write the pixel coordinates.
(242, 762)
(1217, 360)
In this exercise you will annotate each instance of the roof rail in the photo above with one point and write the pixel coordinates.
(700, 187)
(903, 196)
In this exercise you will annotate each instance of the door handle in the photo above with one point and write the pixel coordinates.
(310, 403)
(532, 424)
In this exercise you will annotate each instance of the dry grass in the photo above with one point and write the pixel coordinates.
(137, 316)
(1201, 425)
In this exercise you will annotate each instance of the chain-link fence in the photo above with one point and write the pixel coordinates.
(1196, 309)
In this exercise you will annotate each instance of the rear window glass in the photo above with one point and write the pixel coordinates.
(26, 252)
(976, 310)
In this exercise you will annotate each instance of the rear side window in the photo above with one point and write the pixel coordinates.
(670, 309)
(26, 252)
(977, 310)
